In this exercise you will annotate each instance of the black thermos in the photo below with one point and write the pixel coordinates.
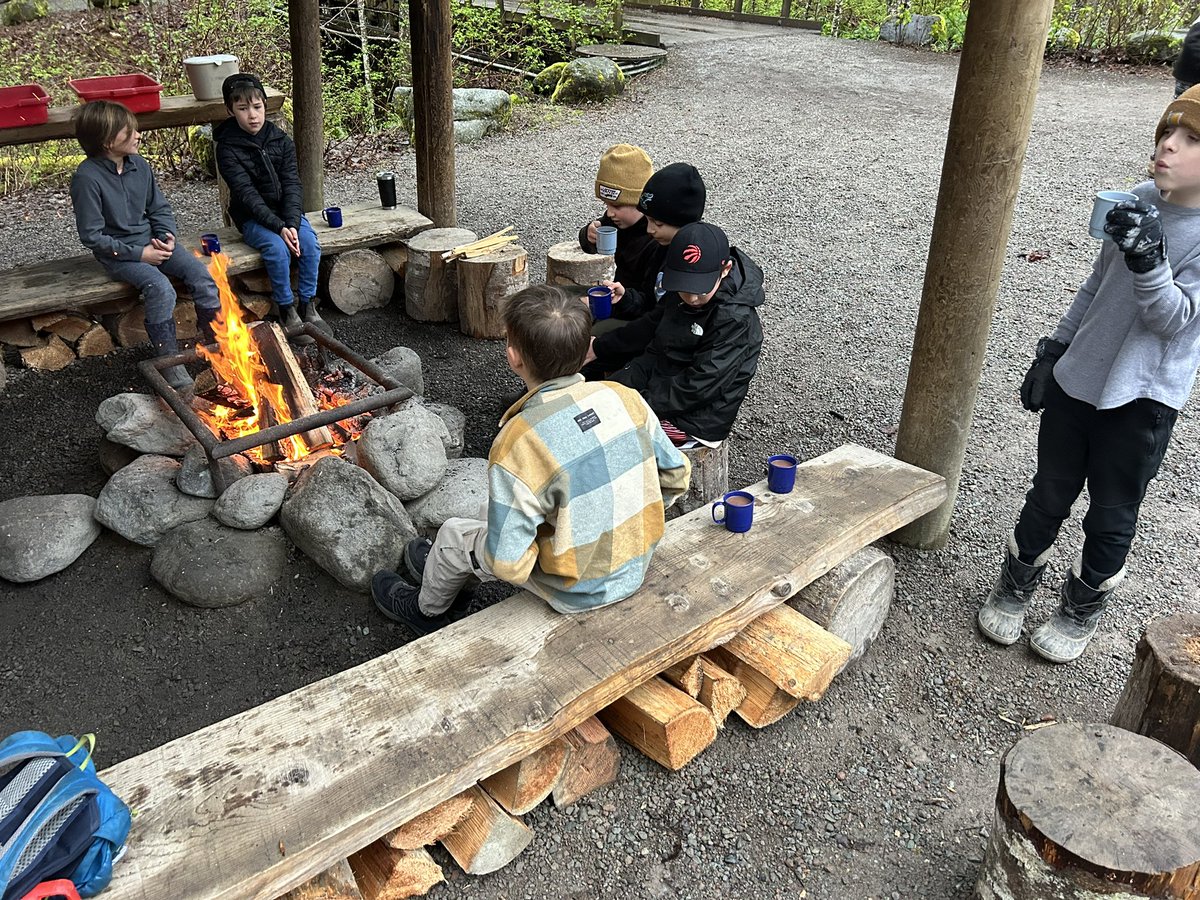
(387, 189)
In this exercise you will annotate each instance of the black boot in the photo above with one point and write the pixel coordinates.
(162, 336)
(308, 312)
(289, 318)
(205, 316)
(1002, 614)
(1066, 635)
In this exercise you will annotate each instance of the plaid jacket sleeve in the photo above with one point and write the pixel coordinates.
(514, 514)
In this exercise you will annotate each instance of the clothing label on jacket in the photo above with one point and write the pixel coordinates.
(587, 420)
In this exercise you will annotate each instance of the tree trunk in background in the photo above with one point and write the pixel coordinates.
(308, 108)
(433, 109)
(981, 174)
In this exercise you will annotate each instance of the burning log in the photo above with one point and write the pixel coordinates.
(283, 370)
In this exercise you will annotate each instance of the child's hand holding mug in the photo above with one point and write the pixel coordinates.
(593, 228)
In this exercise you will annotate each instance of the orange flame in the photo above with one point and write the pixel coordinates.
(237, 363)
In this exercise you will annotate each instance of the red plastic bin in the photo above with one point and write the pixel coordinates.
(138, 92)
(26, 104)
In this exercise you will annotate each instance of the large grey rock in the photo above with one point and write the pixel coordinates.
(141, 502)
(203, 147)
(477, 111)
(114, 457)
(590, 79)
(916, 32)
(1152, 46)
(43, 535)
(456, 426)
(252, 502)
(18, 12)
(350, 526)
(404, 365)
(547, 80)
(195, 477)
(462, 493)
(405, 451)
(144, 423)
(207, 564)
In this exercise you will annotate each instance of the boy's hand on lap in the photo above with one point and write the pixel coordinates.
(291, 237)
(1136, 228)
(153, 255)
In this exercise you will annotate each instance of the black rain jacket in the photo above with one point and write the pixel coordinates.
(696, 364)
(261, 171)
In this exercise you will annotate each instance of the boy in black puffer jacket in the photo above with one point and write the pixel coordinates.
(700, 345)
(258, 162)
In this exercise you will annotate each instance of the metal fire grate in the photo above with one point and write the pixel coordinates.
(216, 448)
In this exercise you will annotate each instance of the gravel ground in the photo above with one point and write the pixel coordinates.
(822, 161)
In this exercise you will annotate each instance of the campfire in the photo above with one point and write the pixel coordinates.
(256, 398)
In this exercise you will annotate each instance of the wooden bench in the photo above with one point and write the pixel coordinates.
(79, 281)
(256, 805)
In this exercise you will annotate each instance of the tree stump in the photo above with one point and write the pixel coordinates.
(358, 280)
(484, 283)
(1085, 811)
(567, 265)
(431, 283)
(710, 477)
(1161, 698)
(851, 600)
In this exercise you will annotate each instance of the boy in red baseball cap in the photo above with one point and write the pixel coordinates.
(700, 345)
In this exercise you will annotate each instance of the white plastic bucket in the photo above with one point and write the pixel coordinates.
(206, 74)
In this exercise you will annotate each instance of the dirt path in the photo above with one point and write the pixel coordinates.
(822, 160)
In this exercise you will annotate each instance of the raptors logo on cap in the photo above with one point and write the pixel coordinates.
(691, 254)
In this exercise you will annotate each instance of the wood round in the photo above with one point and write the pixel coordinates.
(1082, 807)
(360, 279)
(431, 283)
(567, 265)
(484, 283)
(1161, 698)
(852, 600)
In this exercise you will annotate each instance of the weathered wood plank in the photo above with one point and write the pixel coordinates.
(333, 766)
(179, 110)
(78, 281)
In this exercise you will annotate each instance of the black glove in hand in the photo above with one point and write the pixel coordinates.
(1037, 379)
(1137, 229)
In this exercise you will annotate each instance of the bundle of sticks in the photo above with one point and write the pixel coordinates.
(483, 246)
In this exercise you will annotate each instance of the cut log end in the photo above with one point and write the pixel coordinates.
(523, 785)
(852, 600)
(360, 279)
(662, 722)
(593, 761)
(488, 839)
(386, 874)
(433, 825)
(335, 883)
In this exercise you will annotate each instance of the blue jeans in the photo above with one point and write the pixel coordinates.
(1116, 452)
(158, 294)
(277, 259)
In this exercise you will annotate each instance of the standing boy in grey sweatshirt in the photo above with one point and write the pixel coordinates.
(1111, 379)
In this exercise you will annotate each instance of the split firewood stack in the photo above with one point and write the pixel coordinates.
(781, 660)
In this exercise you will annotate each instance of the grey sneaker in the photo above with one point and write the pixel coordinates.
(1066, 635)
(1003, 612)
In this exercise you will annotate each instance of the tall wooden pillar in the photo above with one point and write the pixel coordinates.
(985, 149)
(304, 26)
(433, 109)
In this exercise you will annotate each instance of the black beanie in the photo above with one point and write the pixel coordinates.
(674, 195)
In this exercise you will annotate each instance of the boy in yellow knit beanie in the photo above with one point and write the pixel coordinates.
(624, 170)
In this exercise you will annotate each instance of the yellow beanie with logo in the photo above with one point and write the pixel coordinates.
(1183, 110)
(624, 170)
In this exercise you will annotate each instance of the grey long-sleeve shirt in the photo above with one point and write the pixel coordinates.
(118, 214)
(1133, 336)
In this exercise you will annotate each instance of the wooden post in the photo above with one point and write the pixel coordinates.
(484, 283)
(851, 600)
(1161, 698)
(1090, 810)
(430, 282)
(981, 173)
(308, 108)
(433, 109)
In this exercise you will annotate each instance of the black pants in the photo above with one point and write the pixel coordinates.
(1117, 452)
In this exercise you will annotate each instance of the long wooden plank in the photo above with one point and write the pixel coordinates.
(331, 767)
(183, 109)
(78, 281)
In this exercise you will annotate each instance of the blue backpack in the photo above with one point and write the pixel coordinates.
(57, 819)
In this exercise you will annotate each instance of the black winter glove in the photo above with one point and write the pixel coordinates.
(1037, 379)
(1137, 229)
